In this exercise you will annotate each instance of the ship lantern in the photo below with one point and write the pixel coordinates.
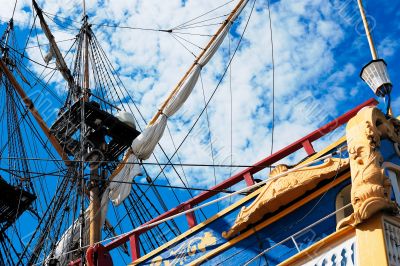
(375, 74)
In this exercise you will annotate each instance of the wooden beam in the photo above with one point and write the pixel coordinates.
(29, 104)
(61, 64)
(203, 52)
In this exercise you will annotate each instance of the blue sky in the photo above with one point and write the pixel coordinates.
(320, 49)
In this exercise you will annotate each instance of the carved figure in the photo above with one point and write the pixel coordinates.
(285, 189)
(370, 191)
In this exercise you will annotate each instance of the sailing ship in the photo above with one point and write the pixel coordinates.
(338, 206)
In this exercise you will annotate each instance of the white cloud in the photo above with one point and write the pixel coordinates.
(306, 32)
(388, 47)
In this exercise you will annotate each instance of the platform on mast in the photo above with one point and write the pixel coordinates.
(101, 127)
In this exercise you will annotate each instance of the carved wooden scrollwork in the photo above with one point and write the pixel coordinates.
(285, 189)
(371, 188)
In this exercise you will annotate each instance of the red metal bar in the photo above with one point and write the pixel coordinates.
(248, 178)
(308, 147)
(135, 249)
(191, 218)
(268, 161)
(75, 262)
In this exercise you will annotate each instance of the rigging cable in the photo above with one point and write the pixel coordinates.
(210, 134)
(164, 186)
(141, 115)
(141, 163)
(202, 25)
(273, 77)
(29, 34)
(195, 45)
(216, 88)
(105, 68)
(178, 156)
(47, 44)
(209, 100)
(98, 47)
(297, 233)
(195, 23)
(30, 59)
(245, 189)
(231, 105)
(15, 6)
(202, 15)
(183, 45)
(105, 25)
(22, 117)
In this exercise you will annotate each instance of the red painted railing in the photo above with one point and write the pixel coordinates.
(247, 175)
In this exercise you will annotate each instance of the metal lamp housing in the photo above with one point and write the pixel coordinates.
(376, 76)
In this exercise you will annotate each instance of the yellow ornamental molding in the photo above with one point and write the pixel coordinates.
(371, 188)
(180, 255)
(283, 190)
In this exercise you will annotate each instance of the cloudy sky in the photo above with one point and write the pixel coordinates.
(319, 50)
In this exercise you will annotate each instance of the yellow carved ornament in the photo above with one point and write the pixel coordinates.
(370, 191)
(182, 254)
(283, 190)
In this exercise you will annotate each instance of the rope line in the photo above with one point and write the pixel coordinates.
(273, 77)
(141, 163)
(215, 89)
(245, 189)
(297, 233)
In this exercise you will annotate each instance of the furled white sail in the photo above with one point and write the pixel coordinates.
(144, 145)
(70, 239)
(118, 191)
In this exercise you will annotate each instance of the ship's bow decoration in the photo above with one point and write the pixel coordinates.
(281, 191)
(371, 188)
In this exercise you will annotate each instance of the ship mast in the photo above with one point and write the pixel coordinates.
(367, 31)
(94, 191)
(375, 73)
(76, 133)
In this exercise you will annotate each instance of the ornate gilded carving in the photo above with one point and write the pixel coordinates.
(371, 189)
(180, 255)
(285, 189)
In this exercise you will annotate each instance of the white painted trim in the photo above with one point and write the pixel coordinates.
(393, 170)
(343, 252)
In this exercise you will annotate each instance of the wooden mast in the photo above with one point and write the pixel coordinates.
(29, 104)
(66, 73)
(203, 52)
(367, 31)
(61, 64)
(94, 191)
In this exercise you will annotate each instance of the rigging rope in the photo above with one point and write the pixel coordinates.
(209, 132)
(141, 163)
(47, 44)
(215, 89)
(245, 189)
(30, 59)
(297, 233)
(206, 20)
(273, 77)
(15, 6)
(202, 15)
(141, 115)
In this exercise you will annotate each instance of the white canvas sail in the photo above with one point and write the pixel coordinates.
(144, 145)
